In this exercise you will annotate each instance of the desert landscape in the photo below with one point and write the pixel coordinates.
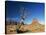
(35, 26)
(24, 17)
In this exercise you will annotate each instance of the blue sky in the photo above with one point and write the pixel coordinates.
(34, 10)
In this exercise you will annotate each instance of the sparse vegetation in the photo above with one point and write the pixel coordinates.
(23, 28)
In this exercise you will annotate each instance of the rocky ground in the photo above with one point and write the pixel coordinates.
(35, 26)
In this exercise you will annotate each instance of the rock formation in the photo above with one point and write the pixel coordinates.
(34, 27)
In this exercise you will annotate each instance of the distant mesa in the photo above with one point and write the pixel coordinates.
(34, 27)
(35, 21)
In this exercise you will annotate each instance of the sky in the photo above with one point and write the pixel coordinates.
(32, 10)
